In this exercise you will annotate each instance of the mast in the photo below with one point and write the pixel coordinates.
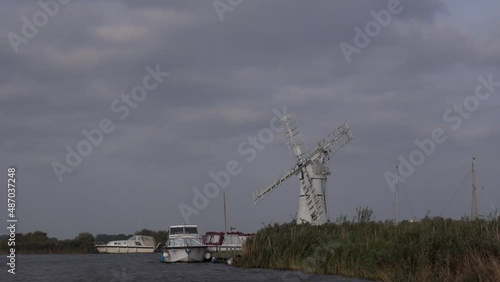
(474, 197)
(225, 218)
(397, 197)
(396, 211)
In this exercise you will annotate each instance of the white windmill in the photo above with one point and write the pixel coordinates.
(311, 170)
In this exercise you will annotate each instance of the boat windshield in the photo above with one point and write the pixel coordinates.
(176, 242)
(191, 230)
(177, 230)
(182, 242)
(194, 242)
(183, 230)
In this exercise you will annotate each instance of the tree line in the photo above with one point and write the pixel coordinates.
(39, 243)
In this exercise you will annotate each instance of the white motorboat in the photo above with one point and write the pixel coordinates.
(134, 245)
(184, 244)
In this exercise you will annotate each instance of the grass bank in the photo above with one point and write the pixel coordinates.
(433, 249)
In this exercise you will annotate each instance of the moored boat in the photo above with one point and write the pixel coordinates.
(134, 245)
(225, 241)
(184, 244)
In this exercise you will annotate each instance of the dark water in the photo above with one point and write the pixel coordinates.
(139, 267)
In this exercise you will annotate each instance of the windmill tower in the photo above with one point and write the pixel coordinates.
(310, 168)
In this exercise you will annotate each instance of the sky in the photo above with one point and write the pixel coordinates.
(172, 92)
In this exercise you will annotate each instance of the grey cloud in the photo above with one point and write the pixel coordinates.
(226, 77)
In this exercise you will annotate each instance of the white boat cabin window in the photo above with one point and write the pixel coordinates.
(191, 230)
(176, 230)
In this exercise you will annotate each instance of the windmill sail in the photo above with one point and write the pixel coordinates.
(293, 137)
(331, 144)
(271, 185)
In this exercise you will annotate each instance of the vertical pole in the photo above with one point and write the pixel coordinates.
(397, 197)
(225, 218)
(474, 198)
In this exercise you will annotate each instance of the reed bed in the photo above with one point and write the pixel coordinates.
(433, 249)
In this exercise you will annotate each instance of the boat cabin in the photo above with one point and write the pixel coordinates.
(184, 236)
(137, 240)
(183, 230)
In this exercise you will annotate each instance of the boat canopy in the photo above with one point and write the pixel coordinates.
(226, 238)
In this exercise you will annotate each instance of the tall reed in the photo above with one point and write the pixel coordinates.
(433, 249)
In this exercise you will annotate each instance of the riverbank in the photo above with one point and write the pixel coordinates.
(434, 249)
(39, 242)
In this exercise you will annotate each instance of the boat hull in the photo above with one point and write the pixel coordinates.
(124, 250)
(188, 254)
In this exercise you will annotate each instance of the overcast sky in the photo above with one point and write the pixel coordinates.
(229, 67)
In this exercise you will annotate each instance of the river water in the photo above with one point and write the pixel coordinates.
(140, 267)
